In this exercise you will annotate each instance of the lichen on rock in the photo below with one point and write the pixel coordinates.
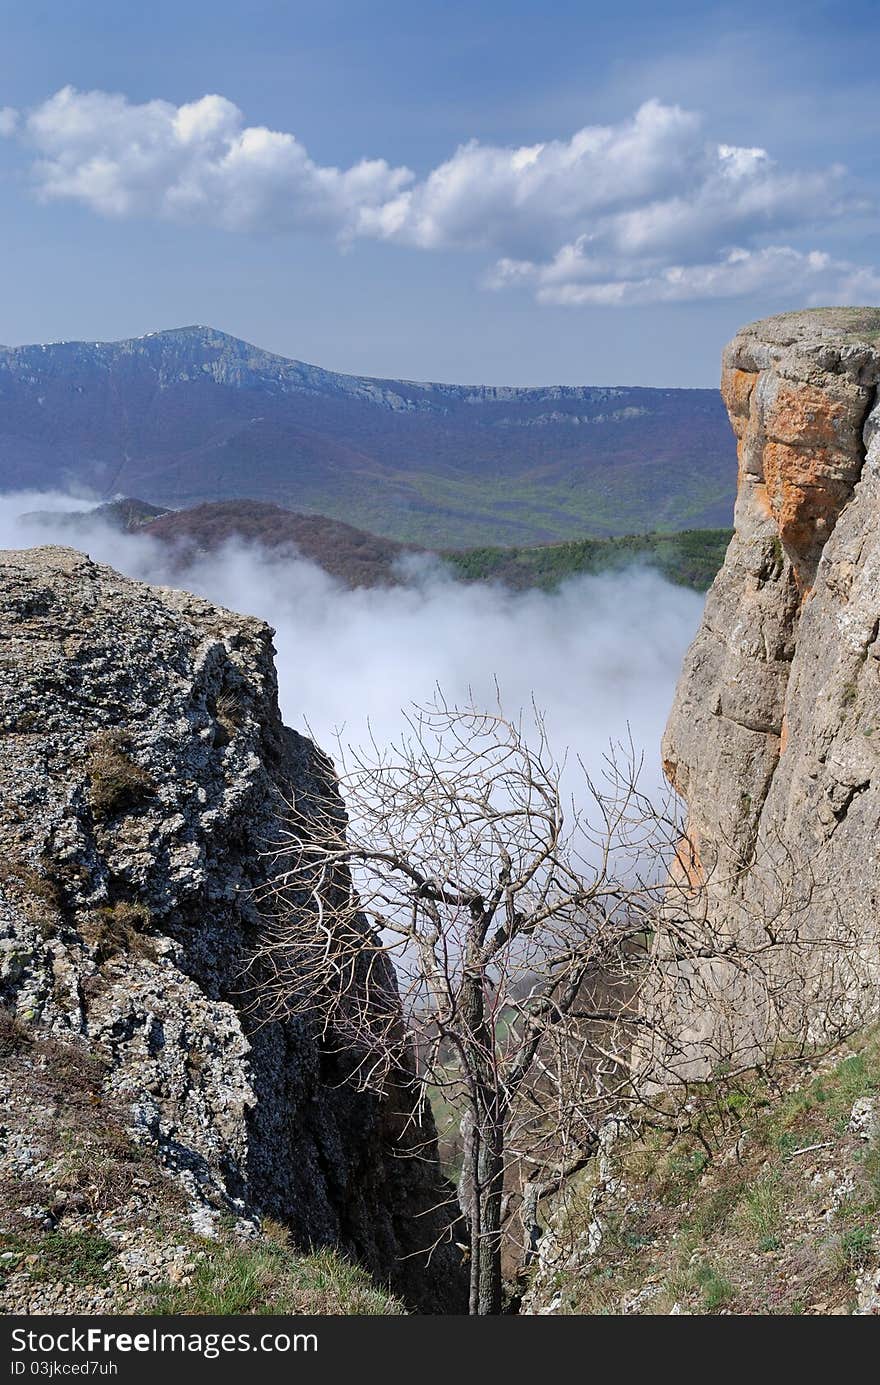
(144, 768)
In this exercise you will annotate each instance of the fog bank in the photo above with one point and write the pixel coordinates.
(600, 655)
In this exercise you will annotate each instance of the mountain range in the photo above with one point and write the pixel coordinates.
(194, 415)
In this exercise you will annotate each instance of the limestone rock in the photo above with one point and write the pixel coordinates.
(143, 770)
(774, 737)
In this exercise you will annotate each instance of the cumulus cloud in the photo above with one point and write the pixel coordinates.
(644, 210)
(196, 162)
(574, 278)
(600, 656)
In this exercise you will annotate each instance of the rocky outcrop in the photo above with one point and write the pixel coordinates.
(774, 737)
(143, 770)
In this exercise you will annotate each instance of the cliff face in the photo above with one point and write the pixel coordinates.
(143, 762)
(774, 736)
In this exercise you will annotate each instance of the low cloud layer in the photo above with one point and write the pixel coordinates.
(599, 656)
(645, 210)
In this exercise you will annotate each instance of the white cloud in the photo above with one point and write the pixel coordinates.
(575, 279)
(643, 210)
(197, 162)
(8, 120)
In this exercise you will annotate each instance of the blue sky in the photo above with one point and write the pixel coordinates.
(552, 192)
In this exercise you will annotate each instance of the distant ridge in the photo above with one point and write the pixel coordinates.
(355, 558)
(194, 415)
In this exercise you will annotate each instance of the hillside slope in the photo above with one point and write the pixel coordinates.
(689, 557)
(769, 1204)
(352, 555)
(194, 415)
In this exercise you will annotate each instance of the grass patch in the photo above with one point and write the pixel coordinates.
(767, 1204)
(229, 715)
(118, 929)
(715, 1289)
(67, 1257)
(117, 784)
(855, 1246)
(15, 1036)
(762, 1209)
(268, 1278)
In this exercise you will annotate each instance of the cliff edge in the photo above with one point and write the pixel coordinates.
(773, 740)
(143, 771)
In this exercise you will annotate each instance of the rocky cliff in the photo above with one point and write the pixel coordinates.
(774, 737)
(143, 770)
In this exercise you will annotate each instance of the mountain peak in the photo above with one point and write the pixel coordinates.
(193, 414)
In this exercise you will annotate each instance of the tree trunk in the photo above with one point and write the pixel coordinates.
(483, 1131)
(480, 1194)
(470, 1205)
(490, 1189)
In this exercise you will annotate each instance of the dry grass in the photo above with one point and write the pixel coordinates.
(117, 784)
(118, 929)
(38, 894)
(15, 1036)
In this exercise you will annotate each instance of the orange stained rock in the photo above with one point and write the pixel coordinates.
(669, 769)
(783, 734)
(687, 866)
(762, 499)
(736, 391)
(807, 416)
(806, 492)
(804, 453)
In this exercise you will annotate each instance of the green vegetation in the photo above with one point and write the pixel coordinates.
(716, 1290)
(268, 1278)
(856, 1246)
(763, 1209)
(767, 1205)
(80, 1256)
(437, 510)
(259, 1276)
(690, 558)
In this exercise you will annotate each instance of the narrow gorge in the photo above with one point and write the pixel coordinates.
(144, 777)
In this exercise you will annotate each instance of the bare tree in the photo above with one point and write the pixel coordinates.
(546, 962)
(509, 926)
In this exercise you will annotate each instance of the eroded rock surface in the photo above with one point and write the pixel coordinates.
(143, 767)
(774, 736)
